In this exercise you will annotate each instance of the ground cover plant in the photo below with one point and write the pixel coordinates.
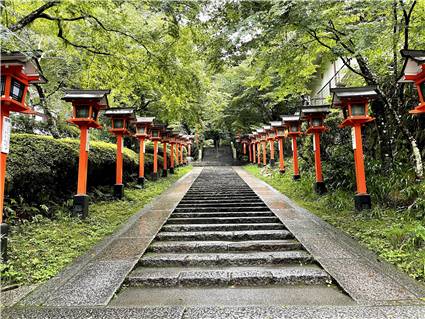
(41, 247)
(397, 236)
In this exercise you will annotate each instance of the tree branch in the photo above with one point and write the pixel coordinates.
(80, 46)
(32, 16)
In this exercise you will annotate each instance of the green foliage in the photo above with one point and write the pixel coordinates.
(42, 170)
(40, 248)
(398, 236)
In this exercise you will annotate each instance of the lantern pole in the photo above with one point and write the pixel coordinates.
(264, 153)
(319, 187)
(272, 161)
(359, 161)
(171, 157)
(249, 152)
(295, 158)
(181, 153)
(164, 154)
(253, 153)
(82, 162)
(119, 187)
(4, 228)
(155, 159)
(141, 179)
(281, 159)
(259, 154)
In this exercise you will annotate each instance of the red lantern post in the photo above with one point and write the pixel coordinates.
(293, 125)
(173, 137)
(17, 72)
(354, 103)
(86, 107)
(315, 117)
(181, 149)
(258, 142)
(279, 129)
(155, 138)
(121, 118)
(165, 139)
(270, 137)
(142, 133)
(414, 71)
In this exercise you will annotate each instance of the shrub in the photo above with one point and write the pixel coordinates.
(42, 170)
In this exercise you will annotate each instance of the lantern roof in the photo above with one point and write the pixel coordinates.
(144, 120)
(276, 123)
(365, 92)
(100, 95)
(120, 111)
(322, 109)
(260, 130)
(412, 64)
(267, 128)
(30, 64)
(290, 118)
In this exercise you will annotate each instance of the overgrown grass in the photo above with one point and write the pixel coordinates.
(396, 236)
(40, 248)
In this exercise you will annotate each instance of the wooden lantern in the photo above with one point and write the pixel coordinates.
(86, 105)
(292, 123)
(414, 71)
(120, 122)
(143, 125)
(315, 117)
(17, 72)
(354, 105)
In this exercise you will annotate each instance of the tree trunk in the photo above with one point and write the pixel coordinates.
(51, 121)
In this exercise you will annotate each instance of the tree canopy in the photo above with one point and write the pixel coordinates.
(223, 65)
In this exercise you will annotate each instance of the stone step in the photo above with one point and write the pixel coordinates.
(221, 214)
(207, 227)
(216, 201)
(222, 204)
(225, 235)
(179, 209)
(223, 246)
(226, 259)
(198, 277)
(223, 220)
(219, 198)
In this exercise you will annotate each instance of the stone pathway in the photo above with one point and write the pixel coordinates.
(223, 235)
(222, 244)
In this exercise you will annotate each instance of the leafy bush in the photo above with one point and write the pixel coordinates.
(42, 170)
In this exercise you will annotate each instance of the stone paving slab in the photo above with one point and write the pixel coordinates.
(251, 312)
(356, 269)
(92, 279)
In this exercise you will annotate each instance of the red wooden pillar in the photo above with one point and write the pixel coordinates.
(281, 158)
(295, 158)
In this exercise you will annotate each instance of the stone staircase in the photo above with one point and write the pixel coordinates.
(222, 235)
(212, 156)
